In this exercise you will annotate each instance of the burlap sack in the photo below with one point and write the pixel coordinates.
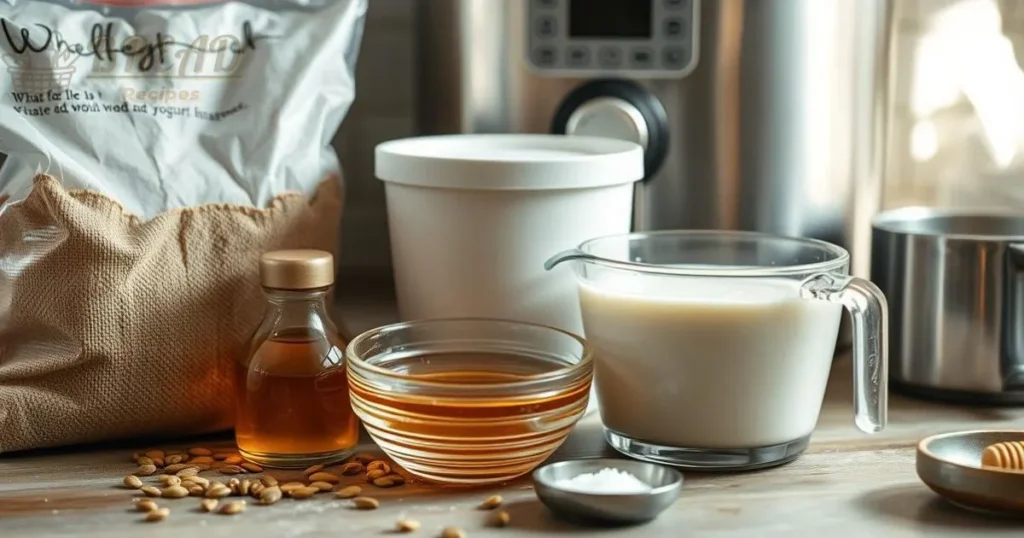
(113, 327)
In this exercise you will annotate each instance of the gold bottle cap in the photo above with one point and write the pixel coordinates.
(296, 269)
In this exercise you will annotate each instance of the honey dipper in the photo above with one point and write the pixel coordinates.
(1005, 455)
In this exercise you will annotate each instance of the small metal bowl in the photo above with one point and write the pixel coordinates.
(950, 464)
(631, 508)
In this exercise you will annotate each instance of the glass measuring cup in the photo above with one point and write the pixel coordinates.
(713, 348)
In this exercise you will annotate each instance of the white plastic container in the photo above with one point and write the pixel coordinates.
(473, 218)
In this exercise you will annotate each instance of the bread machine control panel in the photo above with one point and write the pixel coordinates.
(646, 38)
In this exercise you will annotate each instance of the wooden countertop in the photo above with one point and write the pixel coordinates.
(846, 484)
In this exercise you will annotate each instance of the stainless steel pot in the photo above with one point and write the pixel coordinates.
(955, 285)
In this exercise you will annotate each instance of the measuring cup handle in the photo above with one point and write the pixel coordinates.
(1012, 361)
(565, 256)
(869, 312)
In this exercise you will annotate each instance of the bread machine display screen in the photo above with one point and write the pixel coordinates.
(610, 18)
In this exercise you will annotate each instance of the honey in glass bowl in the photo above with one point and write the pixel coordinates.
(469, 402)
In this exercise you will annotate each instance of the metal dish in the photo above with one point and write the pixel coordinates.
(666, 485)
(950, 464)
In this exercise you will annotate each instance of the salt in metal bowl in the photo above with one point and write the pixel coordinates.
(950, 464)
(666, 484)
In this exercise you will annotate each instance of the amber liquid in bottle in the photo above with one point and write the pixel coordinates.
(293, 401)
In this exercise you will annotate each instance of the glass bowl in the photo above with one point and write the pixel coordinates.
(469, 401)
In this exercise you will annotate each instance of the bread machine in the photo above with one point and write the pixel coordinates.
(762, 115)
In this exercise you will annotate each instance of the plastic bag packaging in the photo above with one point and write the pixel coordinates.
(155, 149)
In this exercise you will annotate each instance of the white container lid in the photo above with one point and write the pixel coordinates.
(510, 161)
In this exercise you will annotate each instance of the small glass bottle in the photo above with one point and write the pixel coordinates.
(292, 387)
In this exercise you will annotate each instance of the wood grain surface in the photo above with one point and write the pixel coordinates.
(847, 484)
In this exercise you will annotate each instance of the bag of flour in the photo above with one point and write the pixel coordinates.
(154, 150)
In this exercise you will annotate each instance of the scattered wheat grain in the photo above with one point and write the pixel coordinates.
(158, 515)
(348, 492)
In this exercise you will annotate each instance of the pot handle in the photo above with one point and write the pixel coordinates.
(1012, 363)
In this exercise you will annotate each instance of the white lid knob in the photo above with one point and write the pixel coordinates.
(609, 117)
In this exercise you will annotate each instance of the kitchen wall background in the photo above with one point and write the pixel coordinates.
(957, 117)
(957, 131)
(386, 101)
(384, 109)
(927, 134)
